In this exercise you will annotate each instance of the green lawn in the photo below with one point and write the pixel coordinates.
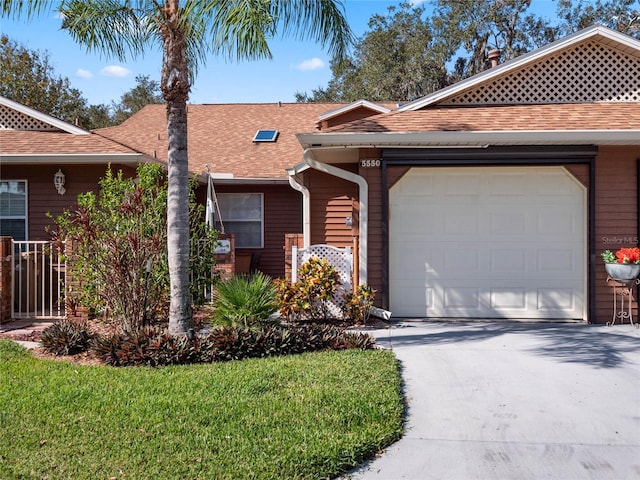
(306, 416)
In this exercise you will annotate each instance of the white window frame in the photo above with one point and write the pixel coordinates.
(228, 222)
(24, 217)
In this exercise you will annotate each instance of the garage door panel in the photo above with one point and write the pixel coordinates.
(506, 222)
(461, 221)
(461, 185)
(508, 298)
(555, 261)
(415, 219)
(509, 184)
(558, 221)
(466, 262)
(556, 300)
(467, 298)
(507, 260)
(425, 184)
(505, 253)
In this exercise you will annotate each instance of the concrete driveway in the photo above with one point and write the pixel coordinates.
(515, 401)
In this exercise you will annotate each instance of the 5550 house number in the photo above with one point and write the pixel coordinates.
(369, 163)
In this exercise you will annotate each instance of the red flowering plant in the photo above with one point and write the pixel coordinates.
(624, 255)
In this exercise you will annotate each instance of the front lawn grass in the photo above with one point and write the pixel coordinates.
(298, 417)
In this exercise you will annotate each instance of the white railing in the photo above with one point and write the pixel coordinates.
(340, 258)
(38, 276)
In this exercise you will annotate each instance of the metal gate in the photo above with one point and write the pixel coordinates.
(38, 276)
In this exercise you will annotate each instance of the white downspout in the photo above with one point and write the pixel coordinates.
(364, 202)
(306, 206)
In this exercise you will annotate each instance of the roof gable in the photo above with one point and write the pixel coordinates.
(15, 116)
(374, 107)
(594, 65)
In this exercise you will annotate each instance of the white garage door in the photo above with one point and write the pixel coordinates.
(487, 242)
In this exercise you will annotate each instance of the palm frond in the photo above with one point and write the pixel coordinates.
(243, 28)
(17, 9)
(112, 27)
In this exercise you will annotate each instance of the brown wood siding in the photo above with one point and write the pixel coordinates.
(332, 201)
(616, 211)
(42, 196)
(373, 176)
(282, 215)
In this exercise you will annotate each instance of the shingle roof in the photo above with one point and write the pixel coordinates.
(22, 142)
(579, 116)
(221, 135)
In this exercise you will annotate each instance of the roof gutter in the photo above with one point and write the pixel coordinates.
(475, 138)
(306, 204)
(75, 158)
(363, 189)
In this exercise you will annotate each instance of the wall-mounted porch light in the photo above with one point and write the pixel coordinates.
(58, 182)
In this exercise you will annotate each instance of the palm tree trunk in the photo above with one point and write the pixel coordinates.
(180, 315)
(175, 86)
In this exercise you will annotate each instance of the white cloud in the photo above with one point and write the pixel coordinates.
(311, 64)
(82, 73)
(115, 71)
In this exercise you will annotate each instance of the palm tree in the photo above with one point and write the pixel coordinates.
(187, 31)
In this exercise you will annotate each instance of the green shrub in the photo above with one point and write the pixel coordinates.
(244, 300)
(119, 246)
(357, 304)
(308, 297)
(66, 337)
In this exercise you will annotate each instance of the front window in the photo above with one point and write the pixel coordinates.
(13, 209)
(242, 215)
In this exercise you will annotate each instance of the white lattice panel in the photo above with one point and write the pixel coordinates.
(589, 72)
(340, 258)
(13, 120)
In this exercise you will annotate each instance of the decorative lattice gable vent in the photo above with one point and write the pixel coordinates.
(11, 119)
(589, 72)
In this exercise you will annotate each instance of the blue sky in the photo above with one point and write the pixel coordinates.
(296, 66)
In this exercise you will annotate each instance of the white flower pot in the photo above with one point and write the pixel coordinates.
(623, 272)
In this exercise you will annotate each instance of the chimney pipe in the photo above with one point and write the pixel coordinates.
(494, 56)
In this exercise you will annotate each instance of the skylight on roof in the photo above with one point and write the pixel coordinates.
(266, 136)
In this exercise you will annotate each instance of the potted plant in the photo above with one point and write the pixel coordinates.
(624, 265)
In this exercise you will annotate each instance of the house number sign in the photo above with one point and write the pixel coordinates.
(370, 163)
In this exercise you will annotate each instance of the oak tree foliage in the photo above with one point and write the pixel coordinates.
(416, 50)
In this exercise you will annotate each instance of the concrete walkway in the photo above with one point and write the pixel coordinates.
(16, 328)
(515, 401)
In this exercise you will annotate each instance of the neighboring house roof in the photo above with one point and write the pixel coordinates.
(29, 136)
(15, 116)
(221, 136)
(584, 89)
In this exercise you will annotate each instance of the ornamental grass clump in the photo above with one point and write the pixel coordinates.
(624, 255)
